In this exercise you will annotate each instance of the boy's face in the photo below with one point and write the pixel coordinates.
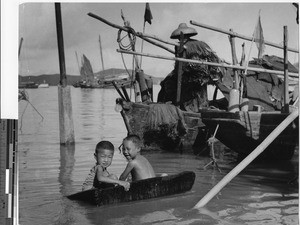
(104, 157)
(130, 149)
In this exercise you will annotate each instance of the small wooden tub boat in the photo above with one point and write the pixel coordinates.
(139, 190)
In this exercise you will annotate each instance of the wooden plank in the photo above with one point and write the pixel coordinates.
(139, 190)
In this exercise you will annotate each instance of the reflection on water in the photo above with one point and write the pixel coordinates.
(67, 162)
(261, 194)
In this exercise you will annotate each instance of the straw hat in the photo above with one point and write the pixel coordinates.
(187, 31)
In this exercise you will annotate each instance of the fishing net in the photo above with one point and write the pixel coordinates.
(195, 77)
(194, 72)
(166, 120)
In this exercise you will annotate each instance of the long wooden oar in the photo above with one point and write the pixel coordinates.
(233, 173)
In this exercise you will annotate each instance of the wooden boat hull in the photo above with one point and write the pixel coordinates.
(43, 85)
(28, 85)
(139, 190)
(242, 132)
(104, 85)
(135, 116)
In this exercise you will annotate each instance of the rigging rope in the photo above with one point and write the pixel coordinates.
(23, 95)
(128, 47)
(131, 45)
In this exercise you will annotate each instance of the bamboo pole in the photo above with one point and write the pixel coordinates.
(286, 73)
(256, 152)
(125, 93)
(234, 94)
(239, 35)
(118, 90)
(66, 127)
(155, 43)
(234, 60)
(142, 47)
(138, 34)
(293, 75)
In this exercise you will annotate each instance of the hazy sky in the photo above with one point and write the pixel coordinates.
(39, 54)
(35, 22)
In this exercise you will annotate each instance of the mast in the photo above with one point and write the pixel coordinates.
(77, 62)
(101, 52)
(19, 53)
(20, 46)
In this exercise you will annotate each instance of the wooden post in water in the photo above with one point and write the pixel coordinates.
(286, 72)
(66, 127)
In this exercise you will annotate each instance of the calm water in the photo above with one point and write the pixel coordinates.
(261, 194)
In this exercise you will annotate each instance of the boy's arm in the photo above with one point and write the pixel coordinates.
(88, 183)
(127, 170)
(105, 179)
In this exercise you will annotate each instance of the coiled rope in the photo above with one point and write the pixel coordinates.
(129, 47)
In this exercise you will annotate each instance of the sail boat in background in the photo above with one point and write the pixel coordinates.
(102, 79)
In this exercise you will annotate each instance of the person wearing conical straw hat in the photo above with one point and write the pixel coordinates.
(195, 77)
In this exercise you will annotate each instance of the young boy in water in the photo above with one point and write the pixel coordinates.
(138, 166)
(99, 175)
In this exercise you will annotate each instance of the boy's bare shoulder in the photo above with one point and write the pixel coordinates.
(137, 161)
(133, 162)
(140, 159)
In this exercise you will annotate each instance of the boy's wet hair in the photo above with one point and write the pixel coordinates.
(104, 145)
(135, 139)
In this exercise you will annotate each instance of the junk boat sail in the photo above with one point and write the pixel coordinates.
(91, 80)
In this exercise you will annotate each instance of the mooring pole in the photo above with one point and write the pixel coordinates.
(66, 127)
(256, 152)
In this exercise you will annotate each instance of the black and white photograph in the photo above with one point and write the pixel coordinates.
(149, 113)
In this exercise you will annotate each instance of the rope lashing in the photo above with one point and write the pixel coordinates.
(131, 45)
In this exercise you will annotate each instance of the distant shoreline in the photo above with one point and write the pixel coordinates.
(53, 79)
